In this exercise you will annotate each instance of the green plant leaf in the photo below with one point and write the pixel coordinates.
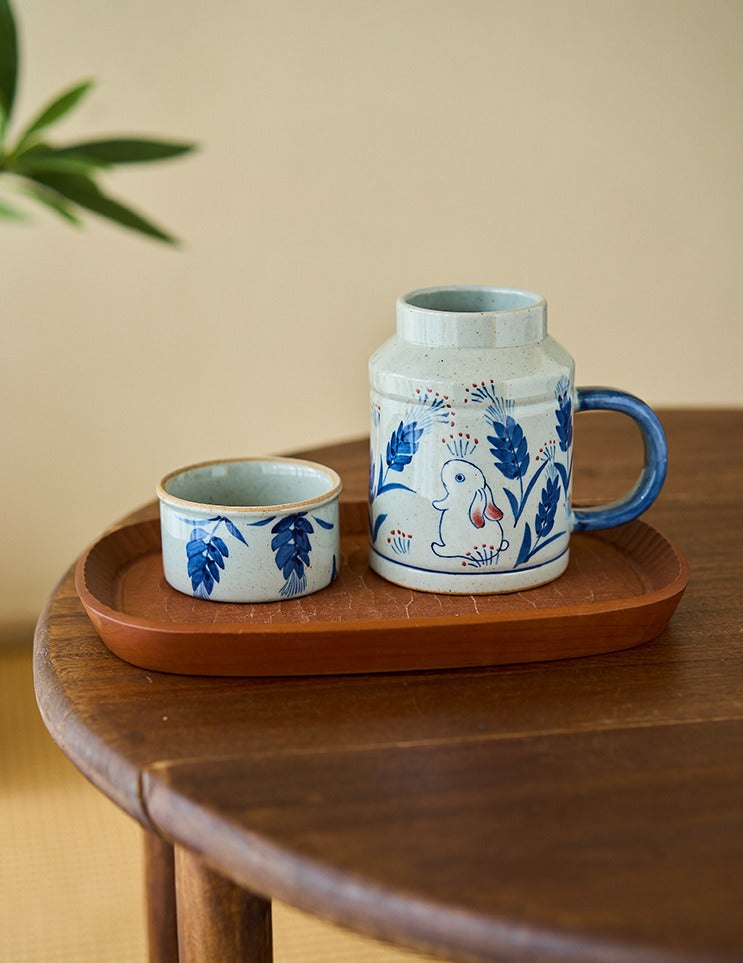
(53, 111)
(42, 157)
(126, 150)
(53, 201)
(8, 63)
(85, 193)
(10, 213)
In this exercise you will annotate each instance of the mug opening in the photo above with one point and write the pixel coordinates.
(472, 300)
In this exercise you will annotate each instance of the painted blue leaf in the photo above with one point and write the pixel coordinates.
(234, 530)
(291, 545)
(563, 474)
(195, 546)
(263, 521)
(195, 565)
(213, 570)
(206, 552)
(525, 546)
(509, 448)
(377, 525)
(322, 523)
(403, 445)
(564, 414)
(391, 486)
(284, 524)
(513, 502)
(284, 555)
(545, 517)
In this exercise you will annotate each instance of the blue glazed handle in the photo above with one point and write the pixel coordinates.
(653, 473)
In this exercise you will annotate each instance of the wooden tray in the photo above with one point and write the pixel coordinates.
(620, 590)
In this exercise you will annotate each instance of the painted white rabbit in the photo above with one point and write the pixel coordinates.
(466, 509)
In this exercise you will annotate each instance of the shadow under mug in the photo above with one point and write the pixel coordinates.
(471, 459)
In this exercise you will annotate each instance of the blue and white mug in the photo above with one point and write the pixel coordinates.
(471, 462)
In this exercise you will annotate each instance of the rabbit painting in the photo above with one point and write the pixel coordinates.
(470, 526)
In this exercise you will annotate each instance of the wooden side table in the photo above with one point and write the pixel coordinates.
(583, 809)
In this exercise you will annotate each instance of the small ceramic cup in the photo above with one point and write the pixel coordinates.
(250, 530)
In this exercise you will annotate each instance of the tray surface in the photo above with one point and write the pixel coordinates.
(620, 590)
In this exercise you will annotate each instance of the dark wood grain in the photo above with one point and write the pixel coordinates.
(160, 904)
(633, 834)
(580, 809)
(217, 920)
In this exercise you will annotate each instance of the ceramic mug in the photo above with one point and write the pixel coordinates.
(250, 530)
(471, 460)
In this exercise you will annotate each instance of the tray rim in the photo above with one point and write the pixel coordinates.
(94, 606)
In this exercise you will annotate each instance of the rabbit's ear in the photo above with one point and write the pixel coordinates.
(478, 505)
(491, 509)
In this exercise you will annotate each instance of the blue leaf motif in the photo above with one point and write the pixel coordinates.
(513, 502)
(284, 555)
(206, 552)
(234, 530)
(291, 546)
(377, 525)
(509, 448)
(323, 524)
(564, 414)
(525, 549)
(545, 518)
(262, 522)
(403, 445)
(205, 558)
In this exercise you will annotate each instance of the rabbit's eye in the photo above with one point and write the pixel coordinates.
(459, 477)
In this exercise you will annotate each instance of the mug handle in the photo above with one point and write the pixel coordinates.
(652, 476)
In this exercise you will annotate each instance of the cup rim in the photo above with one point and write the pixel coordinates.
(210, 507)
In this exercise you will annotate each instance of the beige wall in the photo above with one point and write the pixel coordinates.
(352, 151)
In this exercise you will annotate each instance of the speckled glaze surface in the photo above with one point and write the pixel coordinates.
(250, 530)
(471, 461)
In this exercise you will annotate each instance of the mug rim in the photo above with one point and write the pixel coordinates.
(166, 498)
(532, 300)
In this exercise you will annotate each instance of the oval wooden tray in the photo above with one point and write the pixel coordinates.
(620, 590)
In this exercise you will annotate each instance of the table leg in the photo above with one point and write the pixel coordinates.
(217, 920)
(159, 872)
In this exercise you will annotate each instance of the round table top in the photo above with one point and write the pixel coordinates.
(587, 808)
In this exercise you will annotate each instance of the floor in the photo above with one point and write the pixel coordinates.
(71, 867)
